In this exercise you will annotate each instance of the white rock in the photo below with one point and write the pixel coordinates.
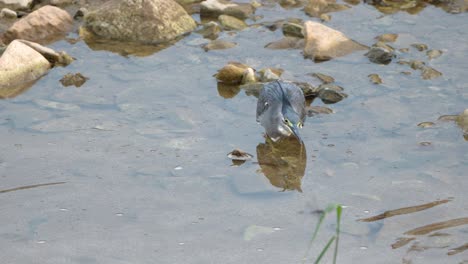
(20, 65)
(324, 43)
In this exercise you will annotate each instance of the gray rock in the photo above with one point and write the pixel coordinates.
(330, 93)
(147, 22)
(293, 30)
(380, 53)
(43, 26)
(19, 66)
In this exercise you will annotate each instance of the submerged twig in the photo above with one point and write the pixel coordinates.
(405, 210)
(30, 186)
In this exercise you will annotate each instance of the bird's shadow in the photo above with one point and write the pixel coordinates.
(283, 162)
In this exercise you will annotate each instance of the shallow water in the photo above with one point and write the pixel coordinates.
(142, 147)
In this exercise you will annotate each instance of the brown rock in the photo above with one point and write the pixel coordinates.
(324, 43)
(232, 73)
(44, 25)
(20, 65)
(141, 21)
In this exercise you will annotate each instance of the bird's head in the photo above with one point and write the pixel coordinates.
(291, 123)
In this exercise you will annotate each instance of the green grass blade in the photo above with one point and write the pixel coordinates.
(339, 209)
(324, 250)
(317, 227)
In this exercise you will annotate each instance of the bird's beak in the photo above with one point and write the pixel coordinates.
(295, 131)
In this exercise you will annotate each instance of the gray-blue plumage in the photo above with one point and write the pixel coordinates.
(281, 109)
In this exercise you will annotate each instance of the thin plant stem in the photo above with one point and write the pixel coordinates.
(327, 210)
(325, 249)
(339, 209)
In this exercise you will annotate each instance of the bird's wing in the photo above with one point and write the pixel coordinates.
(268, 95)
(296, 98)
(262, 103)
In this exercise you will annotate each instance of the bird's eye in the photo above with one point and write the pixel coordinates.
(299, 124)
(286, 121)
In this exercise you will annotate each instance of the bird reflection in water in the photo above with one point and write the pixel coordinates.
(283, 162)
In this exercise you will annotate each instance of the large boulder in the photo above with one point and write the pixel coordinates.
(324, 43)
(19, 66)
(44, 26)
(142, 21)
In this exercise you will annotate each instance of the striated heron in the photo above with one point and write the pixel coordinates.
(280, 109)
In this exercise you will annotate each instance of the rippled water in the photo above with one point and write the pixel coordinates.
(142, 147)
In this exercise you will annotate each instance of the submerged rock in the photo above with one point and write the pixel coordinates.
(387, 37)
(76, 79)
(286, 43)
(219, 44)
(375, 78)
(215, 8)
(315, 110)
(324, 43)
(210, 30)
(231, 23)
(43, 26)
(141, 21)
(323, 77)
(419, 46)
(316, 8)
(433, 54)
(19, 66)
